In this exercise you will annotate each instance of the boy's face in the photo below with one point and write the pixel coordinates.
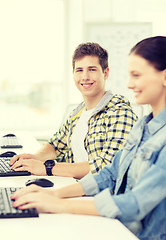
(89, 77)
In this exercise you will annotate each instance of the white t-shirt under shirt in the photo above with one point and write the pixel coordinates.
(78, 137)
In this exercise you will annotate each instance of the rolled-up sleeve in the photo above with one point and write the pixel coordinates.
(105, 204)
(89, 185)
(103, 200)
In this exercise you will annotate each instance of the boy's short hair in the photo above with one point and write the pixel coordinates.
(91, 49)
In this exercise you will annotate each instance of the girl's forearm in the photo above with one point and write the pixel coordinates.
(78, 206)
(74, 190)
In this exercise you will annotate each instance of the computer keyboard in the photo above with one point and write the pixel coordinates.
(8, 211)
(5, 169)
(10, 141)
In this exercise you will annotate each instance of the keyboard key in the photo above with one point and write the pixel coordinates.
(10, 141)
(6, 208)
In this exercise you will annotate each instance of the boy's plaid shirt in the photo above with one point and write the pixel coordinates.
(107, 129)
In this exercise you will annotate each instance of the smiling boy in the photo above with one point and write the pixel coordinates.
(93, 132)
(90, 80)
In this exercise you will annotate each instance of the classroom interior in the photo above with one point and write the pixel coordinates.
(37, 41)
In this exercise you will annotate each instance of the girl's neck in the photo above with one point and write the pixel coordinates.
(157, 110)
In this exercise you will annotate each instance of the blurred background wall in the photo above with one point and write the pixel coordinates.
(37, 40)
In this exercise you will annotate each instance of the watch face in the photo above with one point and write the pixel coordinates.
(49, 163)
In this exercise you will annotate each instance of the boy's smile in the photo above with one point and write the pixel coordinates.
(90, 78)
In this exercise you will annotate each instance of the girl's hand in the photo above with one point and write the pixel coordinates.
(44, 200)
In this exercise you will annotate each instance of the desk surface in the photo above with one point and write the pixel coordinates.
(60, 226)
(30, 144)
(57, 226)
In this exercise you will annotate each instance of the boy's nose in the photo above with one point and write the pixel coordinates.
(85, 75)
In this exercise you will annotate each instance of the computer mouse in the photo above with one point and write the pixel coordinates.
(10, 135)
(42, 182)
(7, 154)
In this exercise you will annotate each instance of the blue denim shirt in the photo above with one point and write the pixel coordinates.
(133, 188)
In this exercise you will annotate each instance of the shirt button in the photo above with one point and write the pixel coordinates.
(130, 186)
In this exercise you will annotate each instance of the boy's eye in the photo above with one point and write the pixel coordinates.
(78, 70)
(92, 69)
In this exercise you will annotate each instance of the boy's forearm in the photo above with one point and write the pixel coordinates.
(46, 152)
(76, 170)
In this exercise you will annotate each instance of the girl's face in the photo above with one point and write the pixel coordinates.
(148, 84)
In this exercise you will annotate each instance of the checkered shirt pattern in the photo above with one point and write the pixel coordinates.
(107, 130)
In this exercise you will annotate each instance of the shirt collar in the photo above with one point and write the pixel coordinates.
(154, 124)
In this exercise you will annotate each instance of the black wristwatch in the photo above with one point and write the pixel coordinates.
(49, 164)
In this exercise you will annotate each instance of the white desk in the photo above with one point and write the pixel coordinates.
(30, 145)
(58, 226)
